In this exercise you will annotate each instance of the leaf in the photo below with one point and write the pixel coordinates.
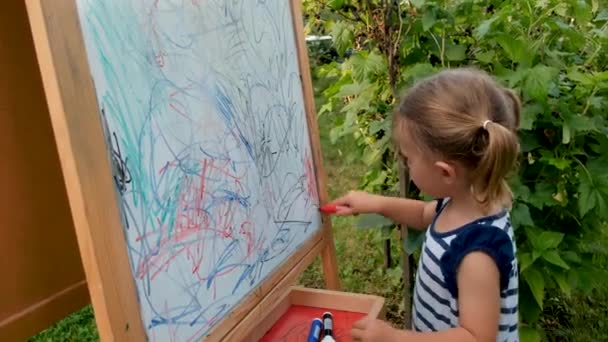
(379, 125)
(529, 115)
(529, 141)
(559, 163)
(428, 20)
(484, 27)
(562, 282)
(553, 257)
(536, 283)
(364, 65)
(582, 12)
(550, 240)
(486, 56)
(525, 260)
(516, 49)
(602, 15)
(336, 4)
(600, 76)
(343, 36)
(585, 279)
(513, 78)
(361, 103)
(544, 240)
(529, 334)
(536, 254)
(521, 216)
(521, 191)
(335, 88)
(579, 77)
(455, 52)
(530, 311)
(353, 89)
(395, 274)
(378, 180)
(373, 221)
(538, 81)
(414, 241)
(561, 9)
(417, 3)
(417, 72)
(335, 134)
(592, 192)
(542, 195)
(386, 231)
(572, 257)
(574, 123)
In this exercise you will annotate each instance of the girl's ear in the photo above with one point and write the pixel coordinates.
(447, 171)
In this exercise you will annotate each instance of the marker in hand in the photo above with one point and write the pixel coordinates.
(333, 208)
(329, 209)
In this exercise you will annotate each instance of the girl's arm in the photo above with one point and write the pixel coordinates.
(411, 213)
(478, 305)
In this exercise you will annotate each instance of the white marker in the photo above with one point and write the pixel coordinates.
(328, 327)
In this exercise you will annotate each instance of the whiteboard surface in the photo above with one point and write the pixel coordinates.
(203, 112)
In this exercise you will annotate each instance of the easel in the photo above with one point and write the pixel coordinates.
(80, 139)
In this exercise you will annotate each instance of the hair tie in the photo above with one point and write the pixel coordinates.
(485, 124)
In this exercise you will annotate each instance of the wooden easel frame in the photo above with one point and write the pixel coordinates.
(86, 167)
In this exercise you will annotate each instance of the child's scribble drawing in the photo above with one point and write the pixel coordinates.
(202, 106)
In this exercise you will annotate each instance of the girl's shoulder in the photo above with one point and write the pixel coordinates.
(501, 220)
(492, 235)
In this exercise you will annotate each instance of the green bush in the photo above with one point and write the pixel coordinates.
(553, 53)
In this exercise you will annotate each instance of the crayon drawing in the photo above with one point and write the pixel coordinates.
(202, 106)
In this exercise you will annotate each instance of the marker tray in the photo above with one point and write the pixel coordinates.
(290, 317)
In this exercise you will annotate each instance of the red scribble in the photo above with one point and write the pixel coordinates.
(160, 59)
(178, 111)
(192, 226)
(196, 3)
(249, 235)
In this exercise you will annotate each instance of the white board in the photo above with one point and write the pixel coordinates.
(203, 112)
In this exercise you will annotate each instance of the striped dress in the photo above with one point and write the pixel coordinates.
(435, 302)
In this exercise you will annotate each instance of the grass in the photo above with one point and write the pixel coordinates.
(78, 327)
(579, 318)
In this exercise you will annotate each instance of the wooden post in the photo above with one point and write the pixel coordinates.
(404, 182)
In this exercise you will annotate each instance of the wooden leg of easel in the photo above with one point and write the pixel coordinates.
(404, 181)
(329, 260)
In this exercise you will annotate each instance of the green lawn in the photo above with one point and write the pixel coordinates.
(360, 260)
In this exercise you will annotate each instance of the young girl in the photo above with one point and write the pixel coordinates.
(457, 133)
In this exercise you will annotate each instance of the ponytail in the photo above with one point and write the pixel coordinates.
(495, 164)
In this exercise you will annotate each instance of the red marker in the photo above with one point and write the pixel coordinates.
(329, 209)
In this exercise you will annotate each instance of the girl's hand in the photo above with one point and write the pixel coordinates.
(372, 329)
(356, 202)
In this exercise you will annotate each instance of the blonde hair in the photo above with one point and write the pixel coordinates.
(466, 116)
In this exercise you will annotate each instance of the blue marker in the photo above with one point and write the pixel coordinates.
(315, 330)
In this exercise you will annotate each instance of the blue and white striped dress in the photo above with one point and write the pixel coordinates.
(435, 302)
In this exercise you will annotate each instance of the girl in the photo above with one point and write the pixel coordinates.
(457, 133)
